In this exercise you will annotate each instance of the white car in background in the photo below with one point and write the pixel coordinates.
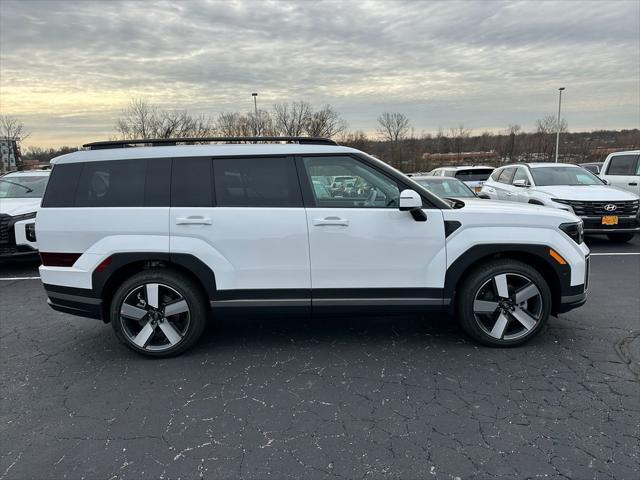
(622, 170)
(473, 176)
(602, 208)
(20, 196)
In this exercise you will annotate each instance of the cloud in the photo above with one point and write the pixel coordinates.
(68, 68)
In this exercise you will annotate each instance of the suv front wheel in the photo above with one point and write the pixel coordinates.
(158, 313)
(503, 303)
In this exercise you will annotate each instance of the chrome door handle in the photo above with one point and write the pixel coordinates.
(194, 220)
(330, 221)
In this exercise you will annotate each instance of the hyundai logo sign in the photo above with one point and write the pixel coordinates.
(610, 207)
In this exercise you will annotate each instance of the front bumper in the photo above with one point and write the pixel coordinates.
(575, 296)
(626, 224)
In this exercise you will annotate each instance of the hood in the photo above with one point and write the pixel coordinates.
(511, 213)
(587, 192)
(19, 206)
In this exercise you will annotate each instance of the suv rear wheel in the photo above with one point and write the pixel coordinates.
(503, 303)
(159, 313)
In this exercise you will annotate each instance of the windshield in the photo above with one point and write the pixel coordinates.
(563, 176)
(23, 186)
(474, 175)
(449, 187)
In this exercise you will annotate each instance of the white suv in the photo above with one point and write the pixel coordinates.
(20, 196)
(154, 239)
(622, 170)
(603, 209)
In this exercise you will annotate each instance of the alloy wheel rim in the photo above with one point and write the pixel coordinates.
(154, 317)
(508, 306)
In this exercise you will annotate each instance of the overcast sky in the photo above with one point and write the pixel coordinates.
(67, 69)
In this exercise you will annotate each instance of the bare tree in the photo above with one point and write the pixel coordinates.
(459, 136)
(262, 123)
(12, 128)
(325, 122)
(291, 119)
(545, 129)
(146, 121)
(233, 124)
(393, 126)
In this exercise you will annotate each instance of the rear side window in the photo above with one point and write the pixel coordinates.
(506, 175)
(623, 165)
(256, 182)
(114, 183)
(192, 182)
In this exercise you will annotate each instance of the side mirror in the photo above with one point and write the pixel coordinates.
(520, 183)
(411, 201)
(606, 182)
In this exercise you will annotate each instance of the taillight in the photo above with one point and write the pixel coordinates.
(59, 259)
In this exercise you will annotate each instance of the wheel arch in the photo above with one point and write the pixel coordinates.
(123, 265)
(537, 256)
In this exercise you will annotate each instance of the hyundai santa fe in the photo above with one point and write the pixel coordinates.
(602, 208)
(156, 237)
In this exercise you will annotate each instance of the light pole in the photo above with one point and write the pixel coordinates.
(558, 126)
(255, 106)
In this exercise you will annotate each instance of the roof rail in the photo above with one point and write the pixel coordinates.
(161, 142)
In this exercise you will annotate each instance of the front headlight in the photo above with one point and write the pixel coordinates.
(26, 216)
(575, 230)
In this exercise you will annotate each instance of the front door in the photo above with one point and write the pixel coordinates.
(365, 251)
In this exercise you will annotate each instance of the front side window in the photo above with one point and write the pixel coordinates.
(521, 174)
(365, 187)
(447, 187)
(624, 165)
(23, 186)
(192, 182)
(563, 176)
(257, 182)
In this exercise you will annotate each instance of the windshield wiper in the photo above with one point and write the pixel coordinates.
(29, 190)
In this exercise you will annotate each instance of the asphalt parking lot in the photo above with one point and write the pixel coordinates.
(401, 397)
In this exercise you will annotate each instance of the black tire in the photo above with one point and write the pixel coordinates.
(481, 285)
(178, 290)
(620, 237)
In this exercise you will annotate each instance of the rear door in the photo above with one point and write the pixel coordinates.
(244, 218)
(364, 250)
(623, 171)
(503, 185)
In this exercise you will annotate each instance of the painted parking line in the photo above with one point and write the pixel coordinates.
(7, 279)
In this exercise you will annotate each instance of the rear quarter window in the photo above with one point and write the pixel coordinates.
(112, 183)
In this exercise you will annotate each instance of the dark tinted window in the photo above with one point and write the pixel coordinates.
(506, 175)
(623, 165)
(474, 174)
(156, 191)
(61, 189)
(118, 183)
(191, 182)
(256, 182)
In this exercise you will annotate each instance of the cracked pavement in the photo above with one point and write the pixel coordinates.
(402, 397)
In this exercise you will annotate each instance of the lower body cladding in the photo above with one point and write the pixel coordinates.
(326, 302)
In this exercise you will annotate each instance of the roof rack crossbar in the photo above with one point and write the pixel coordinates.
(163, 142)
